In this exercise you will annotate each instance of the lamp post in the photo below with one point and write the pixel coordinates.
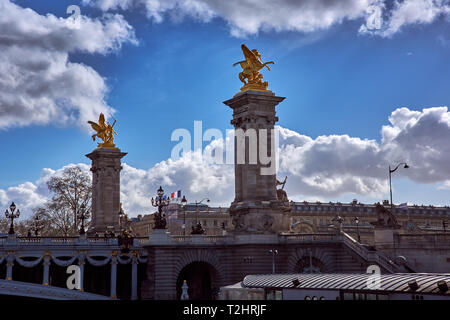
(183, 205)
(12, 214)
(273, 252)
(121, 215)
(36, 224)
(357, 229)
(160, 201)
(125, 241)
(82, 215)
(198, 228)
(390, 179)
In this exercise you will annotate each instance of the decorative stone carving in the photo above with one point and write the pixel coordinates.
(257, 207)
(385, 218)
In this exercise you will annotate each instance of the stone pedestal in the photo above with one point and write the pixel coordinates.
(384, 237)
(106, 167)
(160, 236)
(256, 208)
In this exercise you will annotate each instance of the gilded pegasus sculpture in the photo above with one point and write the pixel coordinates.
(250, 70)
(104, 130)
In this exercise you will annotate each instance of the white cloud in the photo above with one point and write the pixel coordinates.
(246, 17)
(321, 168)
(249, 17)
(406, 13)
(29, 195)
(189, 174)
(39, 84)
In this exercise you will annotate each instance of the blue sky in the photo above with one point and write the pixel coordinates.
(336, 82)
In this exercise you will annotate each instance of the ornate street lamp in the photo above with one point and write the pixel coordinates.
(125, 241)
(390, 179)
(37, 226)
(82, 215)
(357, 229)
(12, 214)
(183, 205)
(121, 215)
(198, 229)
(160, 201)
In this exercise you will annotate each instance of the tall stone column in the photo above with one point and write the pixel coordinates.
(106, 167)
(256, 208)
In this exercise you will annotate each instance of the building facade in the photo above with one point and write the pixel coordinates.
(306, 218)
(214, 220)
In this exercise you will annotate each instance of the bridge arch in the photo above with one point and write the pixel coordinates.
(303, 258)
(303, 227)
(203, 272)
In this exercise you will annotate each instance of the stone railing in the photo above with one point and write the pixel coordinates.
(140, 240)
(182, 238)
(436, 240)
(210, 239)
(369, 256)
(327, 237)
(47, 240)
(64, 241)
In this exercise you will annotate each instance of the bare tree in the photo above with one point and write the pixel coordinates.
(72, 193)
(20, 227)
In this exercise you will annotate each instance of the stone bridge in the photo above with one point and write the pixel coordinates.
(209, 262)
(104, 269)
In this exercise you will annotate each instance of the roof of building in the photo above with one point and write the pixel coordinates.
(399, 282)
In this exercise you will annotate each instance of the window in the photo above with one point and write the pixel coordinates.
(359, 296)
(274, 294)
(215, 223)
(348, 295)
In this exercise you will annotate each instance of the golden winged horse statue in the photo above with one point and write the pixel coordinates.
(250, 70)
(104, 131)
